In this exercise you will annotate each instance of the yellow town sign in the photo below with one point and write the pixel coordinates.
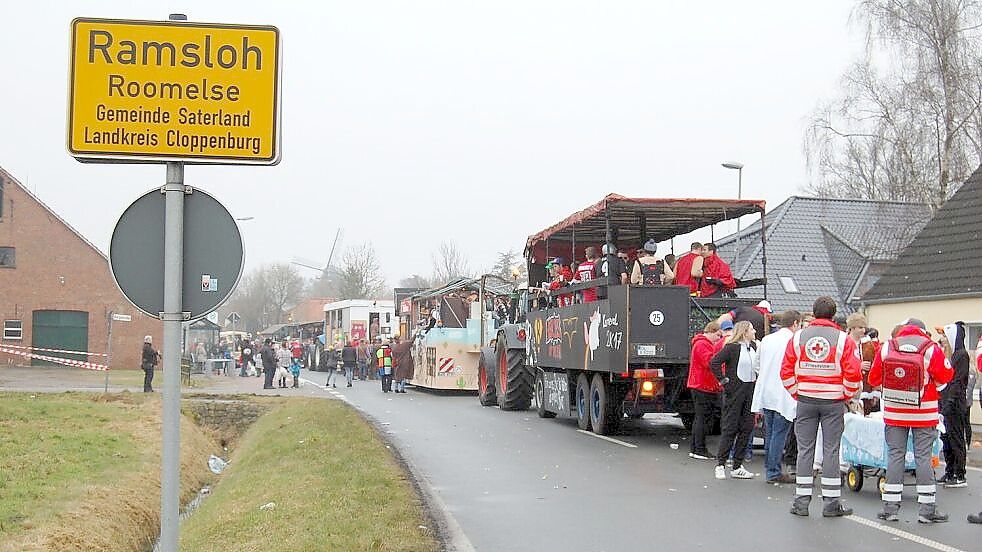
(174, 91)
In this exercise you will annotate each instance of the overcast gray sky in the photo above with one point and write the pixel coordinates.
(408, 123)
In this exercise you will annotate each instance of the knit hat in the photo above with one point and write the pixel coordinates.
(914, 322)
(651, 246)
(148, 339)
(726, 325)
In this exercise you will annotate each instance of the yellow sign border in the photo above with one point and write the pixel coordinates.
(103, 157)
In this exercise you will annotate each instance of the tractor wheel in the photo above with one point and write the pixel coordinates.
(583, 402)
(540, 396)
(603, 412)
(513, 381)
(854, 479)
(881, 484)
(485, 379)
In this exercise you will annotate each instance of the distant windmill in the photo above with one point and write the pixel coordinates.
(326, 270)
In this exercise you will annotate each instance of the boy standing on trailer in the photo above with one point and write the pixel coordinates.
(586, 271)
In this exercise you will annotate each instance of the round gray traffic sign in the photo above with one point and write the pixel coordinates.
(213, 254)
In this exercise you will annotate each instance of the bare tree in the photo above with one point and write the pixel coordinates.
(285, 285)
(510, 266)
(449, 262)
(265, 294)
(251, 301)
(359, 276)
(907, 126)
(416, 281)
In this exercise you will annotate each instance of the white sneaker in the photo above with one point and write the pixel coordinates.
(720, 472)
(742, 473)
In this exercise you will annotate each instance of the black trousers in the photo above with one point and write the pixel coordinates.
(738, 422)
(705, 408)
(268, 374)
(955, 447)
(147, 380)
(386, 383)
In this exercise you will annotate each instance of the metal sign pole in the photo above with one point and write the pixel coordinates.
(109, 351)
(170, 480)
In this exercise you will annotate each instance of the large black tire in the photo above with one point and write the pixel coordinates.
(485, 379)
(604, 414)
(540, 395)
(513, 380)
(582, 395)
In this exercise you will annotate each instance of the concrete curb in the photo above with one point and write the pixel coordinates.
(445, 526)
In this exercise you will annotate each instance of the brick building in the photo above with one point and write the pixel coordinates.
(56, 290)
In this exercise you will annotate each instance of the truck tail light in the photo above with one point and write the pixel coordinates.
(651, 388)
(522, 335)
(649, 373)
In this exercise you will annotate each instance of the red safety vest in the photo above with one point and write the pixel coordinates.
(821, 362)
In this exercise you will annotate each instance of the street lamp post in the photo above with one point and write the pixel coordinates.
(739, 169)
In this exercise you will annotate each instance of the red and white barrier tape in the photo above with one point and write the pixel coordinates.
(58, 360)
(54, 350)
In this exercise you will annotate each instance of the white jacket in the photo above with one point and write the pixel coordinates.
(769, 392)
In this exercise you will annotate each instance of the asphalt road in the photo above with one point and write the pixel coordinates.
(515, 482)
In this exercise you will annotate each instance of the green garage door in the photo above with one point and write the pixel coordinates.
(62, 330)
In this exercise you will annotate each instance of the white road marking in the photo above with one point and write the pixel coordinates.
(973, 468)
(605, 438)
(904, 534)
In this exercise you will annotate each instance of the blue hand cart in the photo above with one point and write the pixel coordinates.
(864, 450)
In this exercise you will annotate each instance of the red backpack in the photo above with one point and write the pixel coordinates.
(903, 369)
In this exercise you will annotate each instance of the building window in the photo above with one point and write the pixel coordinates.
(973, 331)
(13, 329)
(788, 284)
(7, 257)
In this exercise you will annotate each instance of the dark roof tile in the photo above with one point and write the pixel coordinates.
(944, 259)
(822, 244)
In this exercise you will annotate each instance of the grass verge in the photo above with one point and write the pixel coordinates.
(333, 481)
(82, 471)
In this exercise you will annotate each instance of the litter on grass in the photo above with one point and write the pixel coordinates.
(216, 464)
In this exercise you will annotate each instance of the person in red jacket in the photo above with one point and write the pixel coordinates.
(688, 266)
(704, 386)
(561, 276)
(821, 370)
(910, 411)
(717, 277)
